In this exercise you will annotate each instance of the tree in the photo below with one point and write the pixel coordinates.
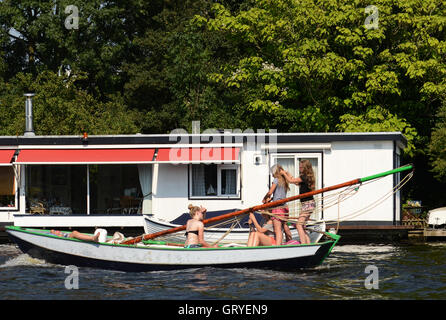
(169, 77)
(42, 36)
(315, 66)
(60, 108)
(437, 145)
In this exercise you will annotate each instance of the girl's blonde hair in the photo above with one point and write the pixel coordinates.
(193, 209)
(309, 173)
(281, 179)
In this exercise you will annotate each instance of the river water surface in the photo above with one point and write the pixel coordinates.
(373, 271)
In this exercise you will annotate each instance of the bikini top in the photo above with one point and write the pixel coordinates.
(194, 231)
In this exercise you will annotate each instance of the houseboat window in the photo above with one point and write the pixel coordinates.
(209, 180)
(7, 187)
(56, 189)
(204, 180)
(115, 189)
(62, 189)
(228, 179)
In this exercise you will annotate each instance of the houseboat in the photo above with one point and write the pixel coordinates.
(114, 181)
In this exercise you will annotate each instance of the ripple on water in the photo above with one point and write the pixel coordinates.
(405, 272)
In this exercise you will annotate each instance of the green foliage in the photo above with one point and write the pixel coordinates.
(169, 79)
(437, 145)
(313, 66)
(377, 119)
(60, 108)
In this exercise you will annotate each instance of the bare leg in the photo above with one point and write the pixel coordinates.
(251, 238)
(287, 231)
(278, 231)
(77, 235)
(264, 240)
(254, 239)
(304, 238)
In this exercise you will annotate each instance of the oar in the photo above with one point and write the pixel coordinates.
(270, 204)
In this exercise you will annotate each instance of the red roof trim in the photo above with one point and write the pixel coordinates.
(198, 155)
(6, 156)
(85, 156)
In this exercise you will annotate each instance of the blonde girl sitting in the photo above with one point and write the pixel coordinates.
(195, 228)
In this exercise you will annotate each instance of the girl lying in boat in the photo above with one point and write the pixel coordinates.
(77, 235)
(195, 229)
(100, 235)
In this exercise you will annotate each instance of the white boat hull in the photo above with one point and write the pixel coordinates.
(69, 251)
(437, 216)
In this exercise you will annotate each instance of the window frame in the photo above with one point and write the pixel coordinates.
(16, 195)
(219, 196)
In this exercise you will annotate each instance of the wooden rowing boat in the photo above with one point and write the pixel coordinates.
(156, 255)
(144, 254)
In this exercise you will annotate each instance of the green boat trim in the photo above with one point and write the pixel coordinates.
(46, 233)
(336, 238)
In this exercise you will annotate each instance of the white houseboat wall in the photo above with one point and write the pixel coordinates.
(110, 181)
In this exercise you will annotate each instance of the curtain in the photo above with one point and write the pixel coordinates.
(231, 182)
(288, 165)
(145, 179)
(198, 183)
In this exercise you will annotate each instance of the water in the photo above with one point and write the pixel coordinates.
(404, 271)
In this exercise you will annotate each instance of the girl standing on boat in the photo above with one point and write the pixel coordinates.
(195, 229)
(278, 191)
(306, 183)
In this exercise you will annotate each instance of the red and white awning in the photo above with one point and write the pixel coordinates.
(126, 156)
(198, 155)
(85, 156)
(6, 157)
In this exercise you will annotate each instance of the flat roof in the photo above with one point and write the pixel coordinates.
(203, 138)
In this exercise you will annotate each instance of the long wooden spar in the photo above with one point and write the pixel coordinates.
(270, 204)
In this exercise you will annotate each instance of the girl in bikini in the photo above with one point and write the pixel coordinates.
(306, 183)
(77, 235)
(262, 235)
(195, 229)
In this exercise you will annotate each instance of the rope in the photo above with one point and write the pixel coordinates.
(227, 232)
(341, 197)
(379, 201)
